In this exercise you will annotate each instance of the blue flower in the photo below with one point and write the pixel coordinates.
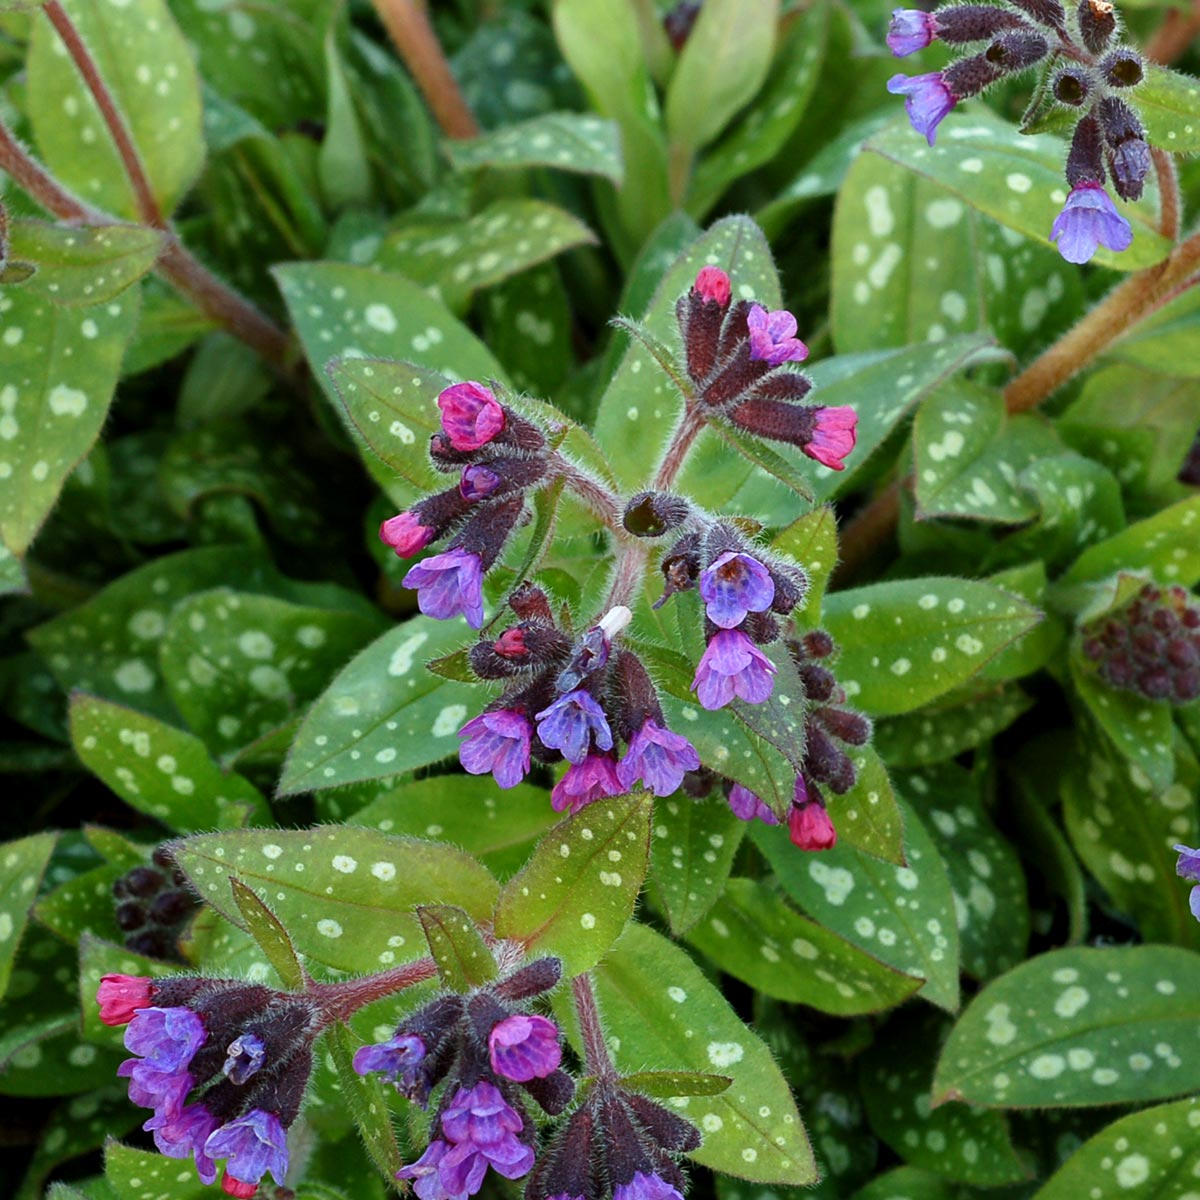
(253, 1145)
(1188, 867)
(1089, 219)
(927, 99)
(570, 722)
(911, 30)
(734, 586)
(659, 757)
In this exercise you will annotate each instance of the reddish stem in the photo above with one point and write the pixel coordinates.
(595, 1050)
(340, 1001)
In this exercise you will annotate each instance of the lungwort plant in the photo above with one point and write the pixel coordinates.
(593, 611)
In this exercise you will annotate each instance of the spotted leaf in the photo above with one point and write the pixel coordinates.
(1169, 104)
(566, 141)
(904, 643)
(671, 1017)
(462, 956)
(149, 1176)
(1077, 1027)
(345, 896)
(22, 864)
(574, 896)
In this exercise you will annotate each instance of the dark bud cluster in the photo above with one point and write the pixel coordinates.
(1152, 646)
(153, 906)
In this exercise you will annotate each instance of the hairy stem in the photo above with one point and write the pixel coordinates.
(681, 442)
(595, 1051)
(1171, 39)
(408, 26)
(148, 208)
(1168, 191)
(603, 502)
(340, 1001)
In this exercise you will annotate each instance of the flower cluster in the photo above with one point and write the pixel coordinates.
(499, 457)
(569, 699)
(1151, 646)
(152, 905)
(1091, 72)
(241, 1052)
(487, 1050)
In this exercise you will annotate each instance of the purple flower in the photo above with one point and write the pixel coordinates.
(471, 415)
(253, 1144)
(911, 30)
(405, 534)
(592, 779)
(398, 1059)
(497, 742)
(1188, 867)
(524, 1047)
(186, 1133)
(1089, 219)
(747, 806)
(773, 337)
(425, 1173)
(734, 585)
(482, 1129)
(243, 1057)
(165, 1038)
(659, 757)
(646, 1186)
(477, 481)
(163, 1091)
(568, 723)
(927, 99)
(834, 433)
(732, 665)
(448, 584)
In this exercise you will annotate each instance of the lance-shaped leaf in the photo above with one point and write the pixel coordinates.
(345, 896)
(268, 931)
(666, 1084)
(368, 1104)
(462, 956)
(813, 542)
(574, 896)
(665, 1014)
(1078, 1027)
(867, 817)
(567, 141)
(905, 642)
(149, 1175)
(22, 864)
(1169, 104)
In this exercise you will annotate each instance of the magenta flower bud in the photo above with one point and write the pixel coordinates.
(582, 783)
(910, 30)
(570, 722)
(497, 742)
(120, 997)
(184, 1135)
(405, 534)
(524, 1047)
(732, 665)
(809, 825)
(449, 584)
(713, 284)
(1188, 867)
(834, 434)
(658, 757)
(734, 585)
(927, 100)
(1089, 219)
(749, 807)
(477, 482)
(254, 1145)
(471, 415)
(773, 337)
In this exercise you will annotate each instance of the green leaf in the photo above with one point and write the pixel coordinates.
(984, 870)
(968, 455)
(867, 817)
(1152, 1156)
(366, 1097)
(1076, 1027)
(813, 542)
(908, 1183)
(904, 643)
(148, 69)
(149, 1176)
(904, 916)
(500, 828)
(82, 905)
(22, 864)
(1169, 105)
(158, 770)
(1036, 648)
(722, 65)
(665, 1084)
(753, 935)
(639, 401)
(462, 956)
(574, 896)
(566, 141)
(241, 666)
(668, 1016)
(508, 237)
(383, 714)
(272, 939)
(343, 169)
(691, 854)
(47, 1058)
(78, 265)
(527, 322)
(961, 720)
(60, 366)
(344, 895)
(1014, 178)
(963, 1144)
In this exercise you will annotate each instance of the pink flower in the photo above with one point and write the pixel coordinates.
(120, 996)
(773, 337)
(405, 534)
(585, 782)
(713, 284)
(471, 415)
(732, 665)
(833, 436)
(524, 1047)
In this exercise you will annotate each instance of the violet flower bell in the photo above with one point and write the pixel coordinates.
(1089, 219)
(646, 1185)
(773, 337)
(732, 665)
(184, 1136)
(927, 100)
(733, 586)
(571, 723)
(398, 1060)
(497, 742)
(1188, 867)
(425, 1174)
(910, 30)
(583, 783)
(749, 807)
(482, 1128)
(523, 1047)
(448, 584)
(658, 757)
(253, 1145)
(471, 415)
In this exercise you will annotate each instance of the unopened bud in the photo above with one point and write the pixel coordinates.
(1045, 12)
(1085, 161)
(1072, 86)
(651, 514)
(966, 23)
(1097, 23)
(1123, 68)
